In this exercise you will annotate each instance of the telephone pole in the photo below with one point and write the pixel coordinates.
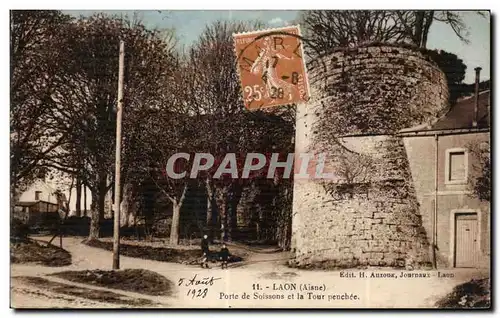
(119, 110)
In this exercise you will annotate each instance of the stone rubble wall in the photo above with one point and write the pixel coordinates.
(379, 225)
(377, 222)
(379, 80)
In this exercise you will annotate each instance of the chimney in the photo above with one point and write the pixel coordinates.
(476, 96)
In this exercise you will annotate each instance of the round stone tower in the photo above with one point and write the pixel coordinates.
(368, 213)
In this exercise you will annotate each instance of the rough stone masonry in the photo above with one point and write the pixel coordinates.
(368, 215)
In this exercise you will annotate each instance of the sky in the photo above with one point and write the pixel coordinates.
(189, 24)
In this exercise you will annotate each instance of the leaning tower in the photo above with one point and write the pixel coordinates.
(368, 214)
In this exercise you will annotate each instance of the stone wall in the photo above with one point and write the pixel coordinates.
(378, 89)
(360, 97)
(376, 222)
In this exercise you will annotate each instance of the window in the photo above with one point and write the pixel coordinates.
(456, 166)
(37, 195)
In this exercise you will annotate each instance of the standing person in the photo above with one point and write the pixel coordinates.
(224, 255)
(205, 250)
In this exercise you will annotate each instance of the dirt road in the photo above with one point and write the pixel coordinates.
(262, 281)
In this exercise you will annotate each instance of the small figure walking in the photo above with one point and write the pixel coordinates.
(205, 250)
(224, 255)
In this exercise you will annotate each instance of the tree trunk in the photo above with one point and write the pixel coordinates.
(84, 200)
(13, 199)
(211, 211)
(427, 25)
(176, 217)
(68, 202)
(97, 208)
(260, 223)
(128, 207)
(258, 227)
(222, 207)
(210, 207)
(232, 204)
(174, 231)
(211, 219)
(78, 207)
(229, 220)
(102, 197)
(94, 221)
(419, 25)
(15, 192)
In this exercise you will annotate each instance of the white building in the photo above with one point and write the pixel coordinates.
(44, 190)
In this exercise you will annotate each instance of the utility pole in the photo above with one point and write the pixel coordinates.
(119, 110)
(476, 96)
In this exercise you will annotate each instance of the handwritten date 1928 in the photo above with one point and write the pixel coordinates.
(197, 293)
(198, 286)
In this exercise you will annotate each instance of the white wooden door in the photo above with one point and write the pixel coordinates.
(466, 245)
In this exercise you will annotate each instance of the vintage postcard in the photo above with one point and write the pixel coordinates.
(250, 159)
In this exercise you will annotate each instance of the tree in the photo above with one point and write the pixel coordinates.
(328, 29)
(454, 70)
(480, 182)
(155, 132)
(86, 98)
(417, 24)
(325, 30)
(166, 133)
(35, 44)
(214, 97)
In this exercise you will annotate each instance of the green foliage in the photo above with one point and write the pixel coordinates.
(135, 280)
(86, 99)
(480, 182)
(454, 69)
(64, 85)
(325, 30)
(19, 230)
(34, 62)
(221, 124)
(475, 293)
(31, 251)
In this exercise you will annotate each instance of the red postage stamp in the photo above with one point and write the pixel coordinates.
(271, 67)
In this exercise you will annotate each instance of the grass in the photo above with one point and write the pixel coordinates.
(135, 280)
(473, 294)
(29, 251)
(87, 293)
(162, 254)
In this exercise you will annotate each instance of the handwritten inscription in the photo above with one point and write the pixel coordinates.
(195, 281)
(198, 286)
